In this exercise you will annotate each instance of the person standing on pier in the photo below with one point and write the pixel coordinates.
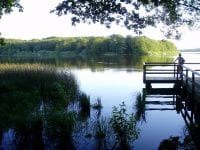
(180, 60)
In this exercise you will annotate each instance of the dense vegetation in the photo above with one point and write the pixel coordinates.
(92, 46)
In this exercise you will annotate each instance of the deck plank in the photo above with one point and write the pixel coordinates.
(162, 79)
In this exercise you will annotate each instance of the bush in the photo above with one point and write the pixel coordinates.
(124, 126)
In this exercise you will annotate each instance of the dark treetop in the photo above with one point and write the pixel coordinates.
(133, 14)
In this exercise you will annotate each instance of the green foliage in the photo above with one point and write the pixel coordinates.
(62, 122)
(60, 125)
(92, 46)
(101, 128)
(6, 6)
(1, 41)
(134, 14)
(149, 46)
(57, 94)
(124, 126)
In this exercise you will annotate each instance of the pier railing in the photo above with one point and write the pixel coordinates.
(192, 79)
(155, 72)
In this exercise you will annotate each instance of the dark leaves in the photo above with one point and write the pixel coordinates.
(134, 15)
(6, 6)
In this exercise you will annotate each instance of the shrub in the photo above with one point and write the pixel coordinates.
(60, 125)
(124, 126)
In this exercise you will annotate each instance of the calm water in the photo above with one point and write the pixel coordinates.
(115, 80)
(114, 85)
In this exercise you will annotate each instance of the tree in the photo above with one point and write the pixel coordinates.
(134, 14)
(6, 6)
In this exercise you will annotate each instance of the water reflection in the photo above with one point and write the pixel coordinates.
(181, 101)
(94, 63)
(113, 79)
(44, 109)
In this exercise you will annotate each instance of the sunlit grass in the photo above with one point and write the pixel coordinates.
(24, 66)
(52, 85)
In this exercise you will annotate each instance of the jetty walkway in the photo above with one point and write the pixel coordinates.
(167, 73)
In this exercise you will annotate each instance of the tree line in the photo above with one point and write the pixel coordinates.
(92, 46)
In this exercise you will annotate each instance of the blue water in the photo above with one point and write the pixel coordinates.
(114, 86)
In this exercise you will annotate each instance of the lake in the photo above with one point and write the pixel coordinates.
(114, 80)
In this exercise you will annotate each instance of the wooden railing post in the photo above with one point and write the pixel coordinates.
(186, 78)
(193, 82)
(174, 69)
(144, 72)
(177, 73)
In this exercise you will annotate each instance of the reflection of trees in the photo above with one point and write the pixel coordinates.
(140, 108)
(95, 62)
(38, 105)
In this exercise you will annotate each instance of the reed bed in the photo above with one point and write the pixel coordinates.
(51, 85)
(34, 94)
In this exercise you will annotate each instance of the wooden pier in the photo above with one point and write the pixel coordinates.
(183, 96)
(166, 73)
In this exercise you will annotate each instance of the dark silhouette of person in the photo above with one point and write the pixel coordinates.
(180, 60)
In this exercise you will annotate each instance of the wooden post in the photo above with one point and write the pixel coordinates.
(176, 72)
(174, 69)
(144, 73)
(193, 82)
(186, 78)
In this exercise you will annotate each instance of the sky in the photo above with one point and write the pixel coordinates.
(36, 22)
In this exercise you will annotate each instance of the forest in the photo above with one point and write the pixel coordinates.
(88, 46)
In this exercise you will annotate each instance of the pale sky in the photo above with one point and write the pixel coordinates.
(36, 22)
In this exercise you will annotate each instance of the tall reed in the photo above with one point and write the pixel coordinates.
(24, 87)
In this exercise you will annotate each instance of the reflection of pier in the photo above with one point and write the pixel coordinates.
(183, 96)
(159, 94)
(162, 99)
